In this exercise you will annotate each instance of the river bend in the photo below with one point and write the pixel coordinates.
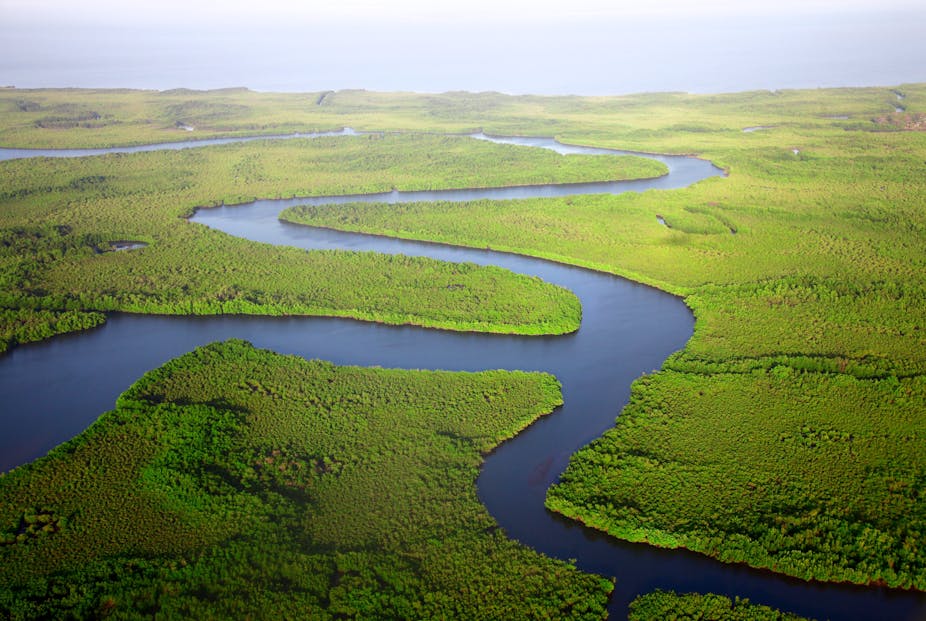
(627, 329)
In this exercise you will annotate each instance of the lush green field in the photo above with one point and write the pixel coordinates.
(652, 121)
(58, 217)
(667, 605)
(788, 433)
(234, 482)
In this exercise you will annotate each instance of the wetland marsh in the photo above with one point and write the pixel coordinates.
(622, 235)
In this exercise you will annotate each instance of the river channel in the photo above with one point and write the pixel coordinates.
(627, 330)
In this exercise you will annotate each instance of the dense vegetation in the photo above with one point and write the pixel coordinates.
(785, 435)
(788, 433)
(58, 217)
(651, 121)
(821, 476)
(670, 606)
(25, 325)
(238, 483)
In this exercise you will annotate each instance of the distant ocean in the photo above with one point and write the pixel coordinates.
(701, 55)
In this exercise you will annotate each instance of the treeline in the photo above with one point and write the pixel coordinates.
(58, 217)
(650, 121)
(753, 298)
(205, 273)
(675, 473)
(696, 606)
(234, 482)
(22, 325)
(784, 435)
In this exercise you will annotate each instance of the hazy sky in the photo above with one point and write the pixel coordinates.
(536, 46)
(404, 10)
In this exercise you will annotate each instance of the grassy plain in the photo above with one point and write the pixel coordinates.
(788, 433)
(234, 482)
(60, 118)
(57, 216)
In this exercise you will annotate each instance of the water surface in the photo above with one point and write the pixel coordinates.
(8, 153)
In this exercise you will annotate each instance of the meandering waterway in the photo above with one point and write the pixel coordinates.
(627, 329)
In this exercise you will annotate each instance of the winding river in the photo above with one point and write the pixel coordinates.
(627, 329)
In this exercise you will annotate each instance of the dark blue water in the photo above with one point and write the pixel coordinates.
(627, 329)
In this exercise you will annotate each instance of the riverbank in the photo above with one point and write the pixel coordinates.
(202, 480)
(811, 292)
(808, 303)
(77, 205)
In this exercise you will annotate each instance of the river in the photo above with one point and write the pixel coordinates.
(627, 329)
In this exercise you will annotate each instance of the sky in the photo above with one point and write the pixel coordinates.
(515, 46)
(424, 10)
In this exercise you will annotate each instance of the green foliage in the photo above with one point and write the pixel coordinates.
(23, 325)
(234, 482)
(58, 219)
(808, 268)
(675, 473)
(651, 121)
(671, 606)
